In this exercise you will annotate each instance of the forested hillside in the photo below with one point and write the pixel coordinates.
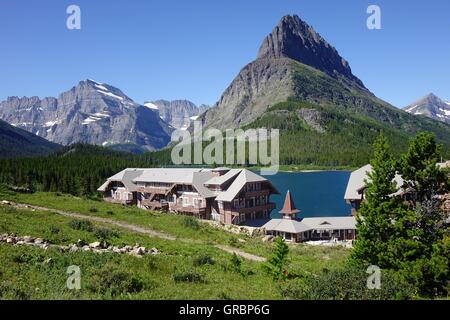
(15, 142)
(320, 135)
(79, 169)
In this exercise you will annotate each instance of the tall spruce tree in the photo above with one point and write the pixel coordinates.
(375, 219)
(420, 243)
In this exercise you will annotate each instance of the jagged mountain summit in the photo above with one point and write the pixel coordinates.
(301, 85)
(431, 106)
(293, 38)
(294, 61)
(91, 112)
(178, 113)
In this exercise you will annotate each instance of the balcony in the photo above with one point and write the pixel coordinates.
(188, 209)
(117, 201)
(257, 193)
(155, 190)
(154, 204)
(269, 206)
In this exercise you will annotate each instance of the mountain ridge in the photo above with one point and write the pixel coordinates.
(15, 142)
(430, 106)
(89, 112)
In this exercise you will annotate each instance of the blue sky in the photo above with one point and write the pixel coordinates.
(192, 49)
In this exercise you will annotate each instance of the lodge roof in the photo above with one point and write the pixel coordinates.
(309, 224)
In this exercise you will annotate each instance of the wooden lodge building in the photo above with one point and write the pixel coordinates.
(354, 193)
(231, 196)
(293, 229)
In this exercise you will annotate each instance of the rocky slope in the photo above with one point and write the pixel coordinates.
(90, 112)
(178, 113)
(431, 106)
(15, 142)
(296, 64)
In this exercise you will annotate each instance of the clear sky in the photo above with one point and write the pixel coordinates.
(192, 49)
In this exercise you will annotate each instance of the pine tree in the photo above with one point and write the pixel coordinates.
(276, 264)
(422, 249)
(375, 219)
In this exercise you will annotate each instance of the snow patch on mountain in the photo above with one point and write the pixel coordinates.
(151, 106)
(110, 94)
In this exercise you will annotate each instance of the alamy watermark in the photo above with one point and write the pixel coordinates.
(73, 22)
(374, 20)
(228, 147)
(74, 280)
(374, 279)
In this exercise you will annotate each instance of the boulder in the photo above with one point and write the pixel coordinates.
(95, 245)
(81, 243)
(267, 238)
(28, 239)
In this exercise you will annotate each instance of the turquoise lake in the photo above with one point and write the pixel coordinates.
(316, 194)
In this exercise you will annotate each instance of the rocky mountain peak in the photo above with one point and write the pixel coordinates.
(293, 38)
(431, 106)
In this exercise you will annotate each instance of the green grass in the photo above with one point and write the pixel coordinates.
(25, 275)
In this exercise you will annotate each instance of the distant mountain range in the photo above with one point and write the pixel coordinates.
(91, 112)
(178, 113)
(431, 106)
(17, 142)
(298, 83)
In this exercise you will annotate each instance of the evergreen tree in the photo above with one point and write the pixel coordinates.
(276, 264)
(375, 219)
(421, 245)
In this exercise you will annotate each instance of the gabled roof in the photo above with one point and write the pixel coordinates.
(286, 225)
(220, 180)
(356, 183)
(169, 175)
(198, 182)
(126, 177)
(308, 224)
(245, 176)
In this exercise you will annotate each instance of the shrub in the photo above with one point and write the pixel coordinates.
(109, 212)
(236, 263)
(55, 230)
(233, 241)
(84, 225)
(105, 233)
(348, 283)
(93, 210)
(189, 276)
(191, 223)
(203, 259)
(110, 279)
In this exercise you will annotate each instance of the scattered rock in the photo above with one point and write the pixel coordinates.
(81, 243)
(95, 245)
(267, 238)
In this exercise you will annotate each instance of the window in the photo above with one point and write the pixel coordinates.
(236, 203)
(220, 204)
(242, 217)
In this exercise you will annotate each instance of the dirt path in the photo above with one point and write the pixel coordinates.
(137, 229)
